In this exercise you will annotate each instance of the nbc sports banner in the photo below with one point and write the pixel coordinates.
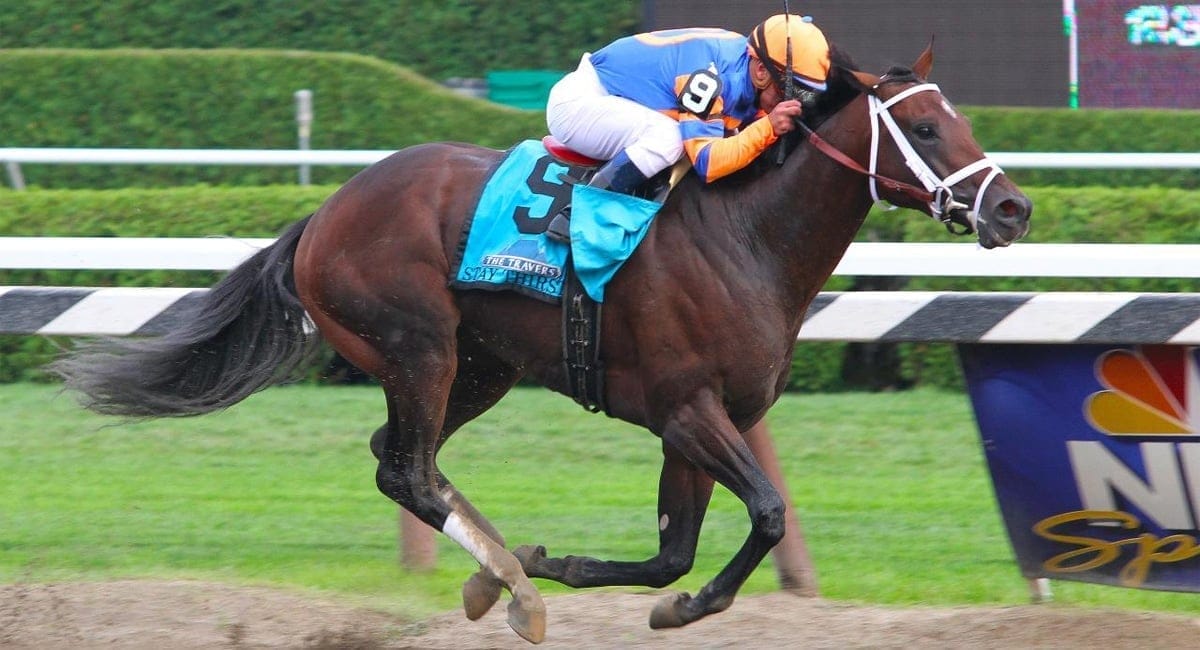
(1094, 453)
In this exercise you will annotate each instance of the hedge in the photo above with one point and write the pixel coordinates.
(195, 211)
(227, 99)
(243, 99)
(438, 38)
(1091, 130)
(182, 212)
(1091, 214)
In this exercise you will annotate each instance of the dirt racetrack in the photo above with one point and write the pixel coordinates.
(185, 614)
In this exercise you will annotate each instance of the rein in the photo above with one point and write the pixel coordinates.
(938, 193)
(836, 154)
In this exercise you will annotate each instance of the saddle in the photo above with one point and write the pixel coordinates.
(568, 156)
(656, 188)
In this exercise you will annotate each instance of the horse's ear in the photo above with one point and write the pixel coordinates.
(924, 62)
(864, 80)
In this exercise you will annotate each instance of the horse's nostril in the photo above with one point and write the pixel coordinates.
(1016, 209)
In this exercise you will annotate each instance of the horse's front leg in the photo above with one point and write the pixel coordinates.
(683, 495)
(703, 433)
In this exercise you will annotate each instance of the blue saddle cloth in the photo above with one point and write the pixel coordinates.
(504, 246)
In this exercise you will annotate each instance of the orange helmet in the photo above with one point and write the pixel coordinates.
(809, 50)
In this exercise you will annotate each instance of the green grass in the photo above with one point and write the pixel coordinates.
(891, 490)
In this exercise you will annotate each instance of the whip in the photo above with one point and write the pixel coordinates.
(788, 89)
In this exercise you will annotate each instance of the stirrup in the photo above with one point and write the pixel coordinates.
(559, 229)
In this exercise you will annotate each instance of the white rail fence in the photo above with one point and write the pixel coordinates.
(13, 157)
(1110, 317)
(862, 258)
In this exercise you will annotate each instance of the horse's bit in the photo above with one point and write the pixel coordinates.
(938, 193)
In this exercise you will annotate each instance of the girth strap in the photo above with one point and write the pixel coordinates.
(581, 344)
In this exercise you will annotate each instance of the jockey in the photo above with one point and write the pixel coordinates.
(644, 100)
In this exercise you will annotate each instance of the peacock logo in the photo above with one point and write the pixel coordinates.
(1151, 390)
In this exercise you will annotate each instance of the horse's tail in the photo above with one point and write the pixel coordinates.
(247, 333)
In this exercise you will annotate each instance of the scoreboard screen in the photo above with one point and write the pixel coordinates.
(993, 53)
(1135, 55)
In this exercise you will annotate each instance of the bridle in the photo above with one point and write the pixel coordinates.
(937, 193)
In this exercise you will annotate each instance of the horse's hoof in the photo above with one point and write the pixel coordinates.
(527, 617)
(479, 593)
(671, 612)
(529, 555)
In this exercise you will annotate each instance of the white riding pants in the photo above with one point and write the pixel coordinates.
(584, 117)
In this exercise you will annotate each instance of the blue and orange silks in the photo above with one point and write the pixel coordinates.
(700, 77)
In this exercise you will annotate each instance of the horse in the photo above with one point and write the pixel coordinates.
(698, 329)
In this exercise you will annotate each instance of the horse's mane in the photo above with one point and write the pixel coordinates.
(899, 73)
(840, 90)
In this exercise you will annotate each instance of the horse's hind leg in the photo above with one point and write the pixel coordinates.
(455, 498)
(482, 589)
(409, 476)
(480, 381)
(683, 495)
(417, 367)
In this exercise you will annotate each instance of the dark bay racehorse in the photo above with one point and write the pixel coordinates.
(698, 329)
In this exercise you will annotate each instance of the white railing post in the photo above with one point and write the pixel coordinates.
(304, 120)
(15, 178)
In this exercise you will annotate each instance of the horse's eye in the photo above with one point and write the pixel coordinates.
(925, 132)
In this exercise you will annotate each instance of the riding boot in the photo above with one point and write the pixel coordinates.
(617, 175)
